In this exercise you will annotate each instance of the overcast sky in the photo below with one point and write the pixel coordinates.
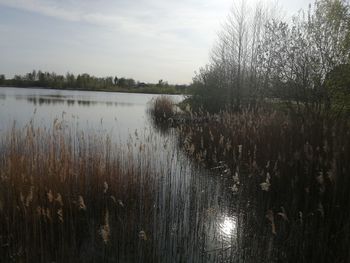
(147, 40)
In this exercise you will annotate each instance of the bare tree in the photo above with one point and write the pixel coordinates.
(237, 48)
(258, 54)
(295, 58)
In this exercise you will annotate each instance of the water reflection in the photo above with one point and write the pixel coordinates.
(70, 102)
(122, 113)
(228, 227)
(192, 219)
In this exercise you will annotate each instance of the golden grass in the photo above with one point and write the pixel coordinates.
(162, 108)
(293, 170)
(62, 195)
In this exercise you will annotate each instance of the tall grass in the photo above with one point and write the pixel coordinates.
(162, 108)
(291, 175)
(75, 197)
(67, 197)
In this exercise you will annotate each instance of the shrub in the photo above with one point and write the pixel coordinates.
(162, 108)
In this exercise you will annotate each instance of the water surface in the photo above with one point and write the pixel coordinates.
(194, 216)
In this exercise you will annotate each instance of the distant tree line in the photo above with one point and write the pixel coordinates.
(87, 82)
(53, 80)
(2, 79)
(304, 63)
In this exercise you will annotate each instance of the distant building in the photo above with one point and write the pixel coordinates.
(142, 85)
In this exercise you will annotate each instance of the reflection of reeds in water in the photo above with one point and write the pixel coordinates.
(160, 111)
(68, 198)
(291, 174)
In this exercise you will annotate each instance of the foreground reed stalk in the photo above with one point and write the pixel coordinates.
(69, 198)
(291, 176)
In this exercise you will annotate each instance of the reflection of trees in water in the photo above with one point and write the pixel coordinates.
(86, 103)
(2, 97)
(56, 100)
(44, 101)
(20, 97)
(70, 102)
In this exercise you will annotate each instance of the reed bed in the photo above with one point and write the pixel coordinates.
(291, 178)
(75, 197)
(72, 197)
(67, 197)
(161, 108)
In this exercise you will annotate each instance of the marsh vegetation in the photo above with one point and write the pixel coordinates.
(287, 174)
(117, 191)
(252, 167)
(67, 197)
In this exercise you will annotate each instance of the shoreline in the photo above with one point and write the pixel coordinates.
(96, 90)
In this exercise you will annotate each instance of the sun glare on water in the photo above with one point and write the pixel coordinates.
(228, 226)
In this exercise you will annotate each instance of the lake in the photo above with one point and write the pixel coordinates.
(193, 216)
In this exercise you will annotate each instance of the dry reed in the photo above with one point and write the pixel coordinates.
(68, 197)
(293, 170)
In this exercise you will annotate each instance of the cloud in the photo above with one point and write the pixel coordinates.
(178, 33)
(170, 35)
(150, 18)
(4, 29)
(146, 39)
(46, 8)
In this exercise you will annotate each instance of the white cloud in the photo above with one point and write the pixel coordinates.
(171, 37)
(144, 16)
(4, 29)
(171, 34)
(47, 8)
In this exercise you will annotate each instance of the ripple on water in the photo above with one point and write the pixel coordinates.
(227, 226)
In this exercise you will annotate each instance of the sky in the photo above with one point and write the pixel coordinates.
(147, 40)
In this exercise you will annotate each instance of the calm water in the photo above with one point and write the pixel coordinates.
(195, 219)
(116, 113)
